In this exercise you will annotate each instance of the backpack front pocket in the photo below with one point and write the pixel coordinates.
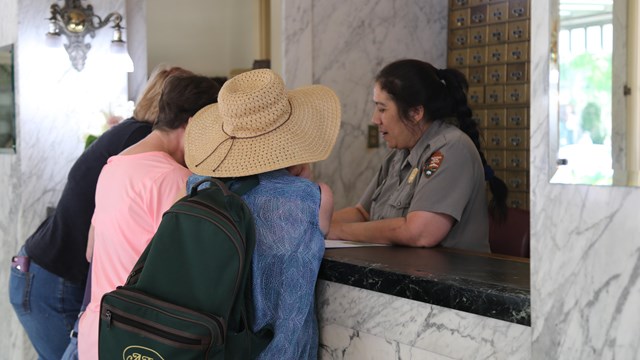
(134, 325)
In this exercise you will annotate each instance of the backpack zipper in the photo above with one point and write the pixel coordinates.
(221, 328)
(133, 274)
(117, 318)
(157, 302)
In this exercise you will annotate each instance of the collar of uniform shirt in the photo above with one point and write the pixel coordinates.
(423, 144)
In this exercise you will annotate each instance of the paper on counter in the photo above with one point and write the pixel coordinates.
(332, 244)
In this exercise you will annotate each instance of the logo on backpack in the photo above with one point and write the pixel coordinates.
(140, 353)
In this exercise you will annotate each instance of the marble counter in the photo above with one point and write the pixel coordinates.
(488, 285)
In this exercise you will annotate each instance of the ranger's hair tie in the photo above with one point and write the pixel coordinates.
(440, 75)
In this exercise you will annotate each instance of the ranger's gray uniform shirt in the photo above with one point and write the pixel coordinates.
(443, 173)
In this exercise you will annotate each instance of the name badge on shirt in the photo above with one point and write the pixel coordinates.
(412, 176)
(432, 164)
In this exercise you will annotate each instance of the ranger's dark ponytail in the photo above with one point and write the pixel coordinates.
(457, 87)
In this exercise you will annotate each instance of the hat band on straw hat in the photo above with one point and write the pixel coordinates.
(232, 138)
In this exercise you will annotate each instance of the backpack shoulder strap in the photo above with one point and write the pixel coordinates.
(244, 184)
(241, 185)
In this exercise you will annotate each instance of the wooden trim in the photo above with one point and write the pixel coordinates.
(265, 29)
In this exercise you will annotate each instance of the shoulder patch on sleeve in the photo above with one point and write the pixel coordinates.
(432, 164)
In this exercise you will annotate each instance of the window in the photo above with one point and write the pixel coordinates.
(585, 47)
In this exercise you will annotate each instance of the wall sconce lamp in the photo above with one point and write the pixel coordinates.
(75, 22)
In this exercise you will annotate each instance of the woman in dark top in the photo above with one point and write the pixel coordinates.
(48, 275)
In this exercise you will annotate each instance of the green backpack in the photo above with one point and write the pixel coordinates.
(188, 296)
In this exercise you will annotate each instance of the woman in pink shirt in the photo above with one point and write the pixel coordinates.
(134, 189)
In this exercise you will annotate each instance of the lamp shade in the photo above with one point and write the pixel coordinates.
(120, 56)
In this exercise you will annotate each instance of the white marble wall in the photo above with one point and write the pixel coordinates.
(57, 106)
(343, 44)
(585, 247)
(362, 324)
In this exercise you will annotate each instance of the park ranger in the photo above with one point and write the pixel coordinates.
(430, 189)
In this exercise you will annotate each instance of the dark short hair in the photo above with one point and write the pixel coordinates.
(182, 97)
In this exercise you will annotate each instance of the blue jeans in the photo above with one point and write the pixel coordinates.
(47, 306)
(71, 353)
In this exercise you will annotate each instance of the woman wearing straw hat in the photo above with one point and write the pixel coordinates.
(430, 190)
(259, 128)
(134, 189)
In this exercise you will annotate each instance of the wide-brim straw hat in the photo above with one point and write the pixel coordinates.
(258, 126)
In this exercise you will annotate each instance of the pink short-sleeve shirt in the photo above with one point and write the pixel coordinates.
(133, 192)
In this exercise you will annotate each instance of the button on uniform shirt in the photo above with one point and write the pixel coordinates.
(443, 173)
